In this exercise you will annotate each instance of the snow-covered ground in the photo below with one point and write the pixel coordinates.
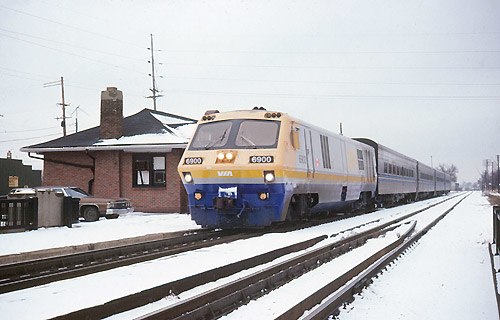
(447, 275)
(468, 234)
(126, 226)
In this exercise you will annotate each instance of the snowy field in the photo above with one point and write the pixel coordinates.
(446, 275)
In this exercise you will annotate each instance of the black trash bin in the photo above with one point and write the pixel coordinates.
(71, 207)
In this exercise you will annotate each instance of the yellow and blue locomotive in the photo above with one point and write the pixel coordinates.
(251, 168)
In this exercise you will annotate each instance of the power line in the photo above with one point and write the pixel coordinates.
(340, 96)
(70, 45)
(29, 130)
(335, 82)
(20, 77)
(337, 67)
(68, 52)
(69, 84)
(88, 16)
(334, 52)
(44, 77)
(69, 26)
(23, 139)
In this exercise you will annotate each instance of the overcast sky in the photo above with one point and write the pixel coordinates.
(421, 77)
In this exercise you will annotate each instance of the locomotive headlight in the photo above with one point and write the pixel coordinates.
(269, 176)
(226, 156)
(198, 195)
(263, 196)
(188, 177)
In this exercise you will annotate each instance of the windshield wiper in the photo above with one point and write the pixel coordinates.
(218, 140)
(249, 141)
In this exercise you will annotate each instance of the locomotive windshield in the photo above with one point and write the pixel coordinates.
(236, 134)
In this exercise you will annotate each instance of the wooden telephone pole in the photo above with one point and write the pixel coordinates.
(62, 104)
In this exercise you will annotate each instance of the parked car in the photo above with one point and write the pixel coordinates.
(91, 208)
(21, 193)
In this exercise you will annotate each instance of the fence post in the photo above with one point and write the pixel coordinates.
(32, 214)
(496, 228)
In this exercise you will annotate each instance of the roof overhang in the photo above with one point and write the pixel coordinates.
(127, 148)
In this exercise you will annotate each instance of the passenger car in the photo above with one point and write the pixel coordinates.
(90, 208)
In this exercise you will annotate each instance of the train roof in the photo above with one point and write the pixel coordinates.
(262, 113)
(378, 146)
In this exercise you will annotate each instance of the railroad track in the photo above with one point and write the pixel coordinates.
(30, 273)
(222, 300)
(25, 274)
(327, 300)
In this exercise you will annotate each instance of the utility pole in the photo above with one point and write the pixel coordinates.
(76, 117)
(152, 75)
(62, 104)
(498, 173)
(486, 163)
(492, 164)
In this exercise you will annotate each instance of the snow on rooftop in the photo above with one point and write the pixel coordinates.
(185, 131)
(166, 120)
(179, 135)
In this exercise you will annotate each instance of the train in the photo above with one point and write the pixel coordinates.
(254, 168)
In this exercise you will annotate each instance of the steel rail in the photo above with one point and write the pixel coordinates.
(175, 287)
(21, 275)
(226, 298)
(34, 272)
(362, 275)
(39, 271)
(147, 296)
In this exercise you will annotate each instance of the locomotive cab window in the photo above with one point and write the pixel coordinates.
(236, 134)
(212, 135)
(257, 133)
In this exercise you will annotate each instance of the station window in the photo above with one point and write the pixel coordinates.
(385, 167)
(149, 170)
(325, 151)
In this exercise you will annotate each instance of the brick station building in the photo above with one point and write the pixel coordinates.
(134, 157)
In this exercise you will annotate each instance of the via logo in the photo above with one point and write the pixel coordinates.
(225, 173)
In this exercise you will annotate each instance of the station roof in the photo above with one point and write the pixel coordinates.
(147, 129)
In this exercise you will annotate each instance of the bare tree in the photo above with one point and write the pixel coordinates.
(450, 169)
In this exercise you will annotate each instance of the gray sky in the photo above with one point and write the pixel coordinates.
(421, 77)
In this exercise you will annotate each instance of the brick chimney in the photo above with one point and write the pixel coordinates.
(111, 113)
